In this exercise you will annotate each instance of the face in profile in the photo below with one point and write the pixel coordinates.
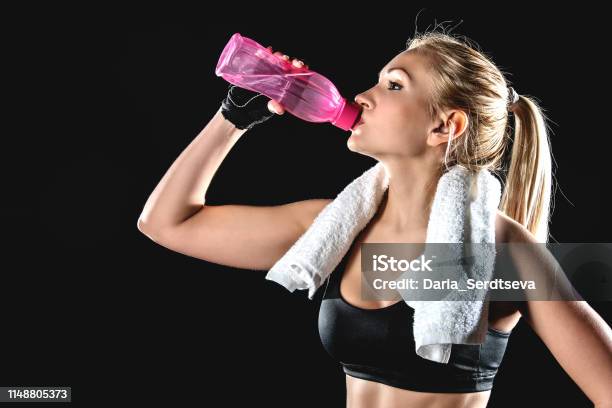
(395, 110)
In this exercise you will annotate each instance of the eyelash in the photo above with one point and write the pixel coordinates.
(394, 83)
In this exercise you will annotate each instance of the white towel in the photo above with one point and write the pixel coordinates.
(463, 210)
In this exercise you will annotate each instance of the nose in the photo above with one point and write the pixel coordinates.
(362, 101)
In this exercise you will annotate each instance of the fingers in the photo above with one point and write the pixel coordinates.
(275, 107)
(295, 62)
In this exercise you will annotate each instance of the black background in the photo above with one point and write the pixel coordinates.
(100, 103)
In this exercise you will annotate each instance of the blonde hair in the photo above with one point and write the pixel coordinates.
(466, 78)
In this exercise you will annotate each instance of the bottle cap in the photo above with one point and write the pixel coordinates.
(348, 117)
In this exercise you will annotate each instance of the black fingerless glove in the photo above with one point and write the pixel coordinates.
(245, 108)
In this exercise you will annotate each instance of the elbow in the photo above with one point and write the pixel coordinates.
(155, 233)
(141, 225)
(145, 227)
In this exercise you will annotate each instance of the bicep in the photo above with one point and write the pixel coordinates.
(242, 236)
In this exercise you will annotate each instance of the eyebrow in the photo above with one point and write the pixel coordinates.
(394, 69)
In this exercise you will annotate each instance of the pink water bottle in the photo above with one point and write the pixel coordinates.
(304, 93)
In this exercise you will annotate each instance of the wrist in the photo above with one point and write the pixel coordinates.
(225, 125)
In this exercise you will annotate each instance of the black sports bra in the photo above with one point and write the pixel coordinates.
(378, 345)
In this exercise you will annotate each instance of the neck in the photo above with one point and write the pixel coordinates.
(407, 203)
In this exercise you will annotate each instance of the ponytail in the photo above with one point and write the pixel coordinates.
(527, 192)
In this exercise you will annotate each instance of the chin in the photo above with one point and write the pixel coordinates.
(354, 146)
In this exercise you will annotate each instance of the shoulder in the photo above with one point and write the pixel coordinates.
(307, 210)
(526, 258)
(509, 230)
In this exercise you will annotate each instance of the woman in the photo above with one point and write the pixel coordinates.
(438, 103)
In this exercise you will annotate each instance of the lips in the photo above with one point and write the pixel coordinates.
(359, 123)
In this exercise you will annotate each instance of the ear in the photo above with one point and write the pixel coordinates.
(449, 125)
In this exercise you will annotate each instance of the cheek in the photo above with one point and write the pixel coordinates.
(406, 120)
(407, 130)
(406, 141)
(398, 128)
(405, 113)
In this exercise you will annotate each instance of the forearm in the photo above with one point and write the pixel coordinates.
(181, 191)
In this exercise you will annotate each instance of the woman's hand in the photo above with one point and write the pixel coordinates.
(273, 105)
